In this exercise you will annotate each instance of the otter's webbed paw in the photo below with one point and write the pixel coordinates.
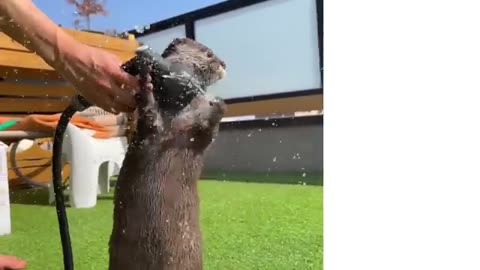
(146, 103)
(202, 114)
(145, 99)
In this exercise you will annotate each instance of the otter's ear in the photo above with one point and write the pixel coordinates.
(177, 41)
(169, 50)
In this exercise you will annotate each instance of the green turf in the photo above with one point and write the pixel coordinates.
(244, 226)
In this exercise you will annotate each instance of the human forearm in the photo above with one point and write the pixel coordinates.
(26, 24)
(95, 73)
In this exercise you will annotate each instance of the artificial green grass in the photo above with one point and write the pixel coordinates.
(244, 226)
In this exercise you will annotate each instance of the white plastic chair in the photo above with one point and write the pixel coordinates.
(92, 161)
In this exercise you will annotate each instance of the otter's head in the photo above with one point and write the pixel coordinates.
(206, 66)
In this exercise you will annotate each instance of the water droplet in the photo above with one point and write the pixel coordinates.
(304, 174)
(123, 231)
(260, 129)
(139, 29)
(275, 159)
(192, 139)
(249, 134)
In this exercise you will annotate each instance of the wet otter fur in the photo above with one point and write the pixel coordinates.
(156, 202)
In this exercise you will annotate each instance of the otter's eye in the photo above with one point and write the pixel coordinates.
(209, 54)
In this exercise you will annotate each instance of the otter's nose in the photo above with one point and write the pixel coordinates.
(222, 73)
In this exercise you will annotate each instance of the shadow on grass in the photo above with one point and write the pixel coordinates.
(108, 196)
(37, 196)
(302, 178)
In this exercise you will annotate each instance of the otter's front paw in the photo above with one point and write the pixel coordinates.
(204, 113)
(145, 99)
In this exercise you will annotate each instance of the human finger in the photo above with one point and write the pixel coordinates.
(122, 94)
(110, 107)
(122, 103)
(128, 81)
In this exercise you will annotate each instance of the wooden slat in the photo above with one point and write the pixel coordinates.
(34, 152)
(18, 59)
(25, 163)
(264, 107)
(28, 73)
(103, 41)
(92, 39)
(35, 163)
(16, 64)
(28, 60)
(40, 174)
(276, 106)
(28, 105)
(7, 42)
(30, 89)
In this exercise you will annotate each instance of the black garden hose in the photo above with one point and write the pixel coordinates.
(78, 104)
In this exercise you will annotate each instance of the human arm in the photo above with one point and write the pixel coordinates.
(95, 73)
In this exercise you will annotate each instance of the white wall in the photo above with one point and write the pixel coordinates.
(269, 47)
(273, 149)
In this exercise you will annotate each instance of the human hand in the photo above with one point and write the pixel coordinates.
(8, 262)
(97, 75)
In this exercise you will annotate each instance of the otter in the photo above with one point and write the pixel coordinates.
(156, 202)
(203, 64)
